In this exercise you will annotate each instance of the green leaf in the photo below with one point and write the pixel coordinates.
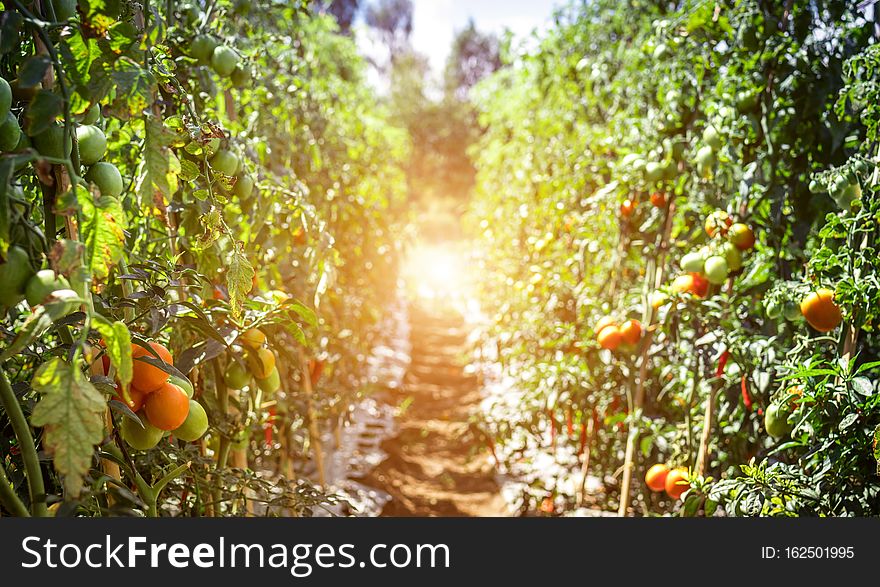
(848, 421)
(10, 23)
(239, 280)
(158, 174)
(31, 72)
(304, 312)
(134, 88)
(70, 411)
(188, 170)
(37, 323)
(863, 386)
(6, 173)
(42, 112)
(296, 332)
(103, 226)
(117, 339)
(877, 447)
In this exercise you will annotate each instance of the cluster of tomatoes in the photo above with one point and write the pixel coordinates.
(628, 206)
(722, 256)
(163, 403)
(259, 364)
(610, 335)
(673, 481)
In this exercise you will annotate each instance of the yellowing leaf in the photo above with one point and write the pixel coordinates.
(70, 411)
(103, 223)
(239, 280)
(161, 167)
(118, 340)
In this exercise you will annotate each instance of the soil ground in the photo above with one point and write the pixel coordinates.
(435, 465)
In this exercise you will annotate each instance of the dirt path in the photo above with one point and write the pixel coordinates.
(432, 467)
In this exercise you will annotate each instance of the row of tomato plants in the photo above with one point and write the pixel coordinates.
(198, 209)
(676, 213)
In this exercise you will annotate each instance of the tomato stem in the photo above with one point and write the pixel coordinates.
(28, 451)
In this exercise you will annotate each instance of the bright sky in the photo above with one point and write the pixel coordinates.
(435, 22)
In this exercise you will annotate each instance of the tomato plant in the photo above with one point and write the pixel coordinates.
(186, 191)
(752, 129)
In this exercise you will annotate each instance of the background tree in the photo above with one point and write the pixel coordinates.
(392, 20)
(474, 56)
(344, 11)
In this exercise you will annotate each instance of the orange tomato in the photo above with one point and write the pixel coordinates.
(262, 362)
(717, 222)
(627, 208)
(741, 236)
(609, 338)
(631, 331)
(658, 199)
(135, 395)
(692, 283)
(658, 299)
(167, 407)
(676, 482)
(820, 311)
(655, 478)
(253, 338)
(604, 322)
(145, 376)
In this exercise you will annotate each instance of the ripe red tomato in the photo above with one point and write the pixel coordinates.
(658, 200)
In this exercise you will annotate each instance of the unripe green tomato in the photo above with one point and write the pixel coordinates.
(272, 383)
(184, 384)
(15, 272)
(191, 13)
(848, 195)
(837, 186)
(92, 144)
(776, 420)
(733, 256)
(226, 162)
(792, 311)
(224, 60)
(5, 98)
(653, 171)
(712, 138)
(140, 438)
(107, 178)
(236, 376)
(716, 269)
(746, 101)
(661, 51)
(816, 187)
(51, 143)
(92, 115)
(195, 425)
(24, 142)
(244, 187)
(202, 47)
(61, 302)
(10, 132)
(41, 285)
(773, 310)
(693, 262)
(705, 157)
(240, 77)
